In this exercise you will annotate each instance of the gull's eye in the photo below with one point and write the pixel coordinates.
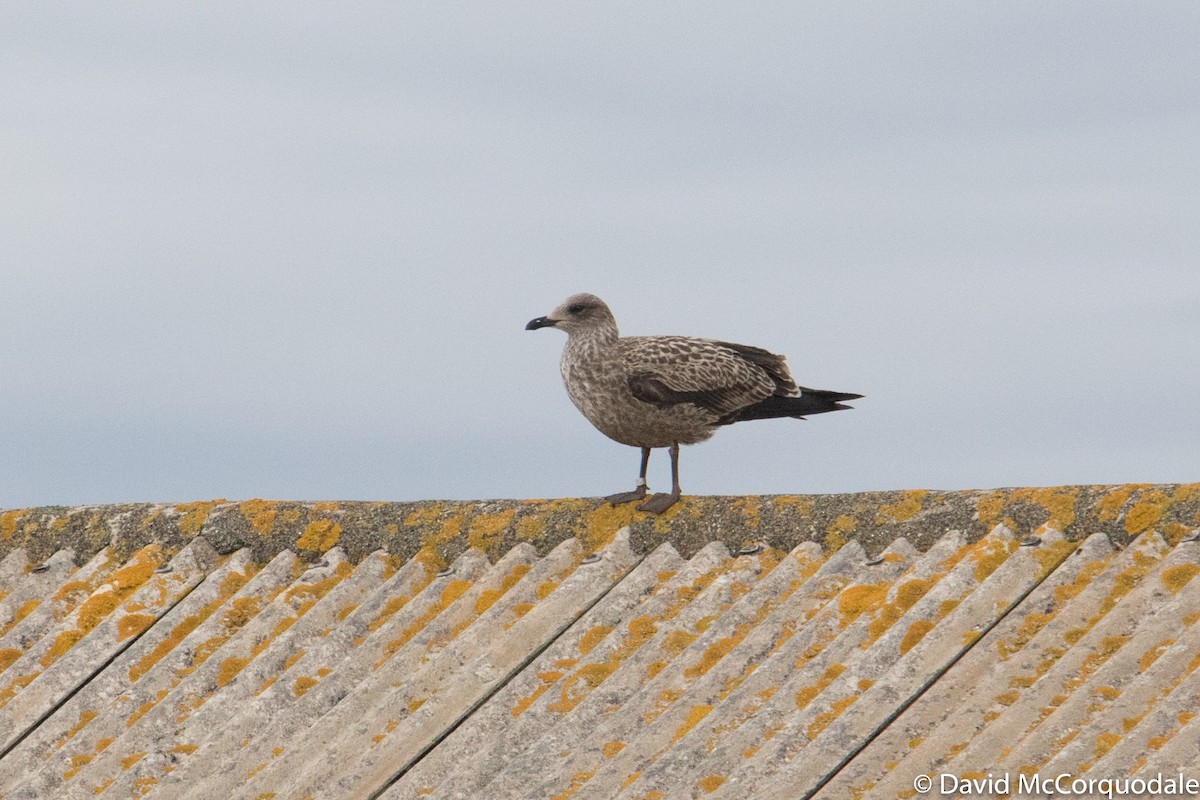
(576, 308)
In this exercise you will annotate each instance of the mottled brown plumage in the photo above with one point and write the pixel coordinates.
(664, 391)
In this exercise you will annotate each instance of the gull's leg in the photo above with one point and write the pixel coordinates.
(661, 502)
(640, 491)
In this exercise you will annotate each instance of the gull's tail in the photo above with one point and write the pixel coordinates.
(810, 401)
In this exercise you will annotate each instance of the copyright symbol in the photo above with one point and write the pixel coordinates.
(922, 783)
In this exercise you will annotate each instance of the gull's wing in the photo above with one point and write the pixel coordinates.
(719, 376)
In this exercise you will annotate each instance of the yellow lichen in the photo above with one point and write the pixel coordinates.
(612, 748)
(916, 632)
(593, 637)
(132, 624)
(695, 715)
(485, 529)
(230, 667)
(260, 514)
(194, 515)
(710, 783)
(1175, 578)
(824, 720)
(320, 535)
(1146, 512)
(856, 600)
(902, 510)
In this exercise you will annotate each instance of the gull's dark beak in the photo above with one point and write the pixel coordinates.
(540, 322)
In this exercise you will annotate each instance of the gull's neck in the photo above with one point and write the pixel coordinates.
(592, 341)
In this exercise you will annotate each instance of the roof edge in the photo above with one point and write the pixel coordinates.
(437, 531)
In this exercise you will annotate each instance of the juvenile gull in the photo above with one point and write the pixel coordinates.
(664, 391)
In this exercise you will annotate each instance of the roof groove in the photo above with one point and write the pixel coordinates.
(563, 676)
(940, 653)
(623, 585)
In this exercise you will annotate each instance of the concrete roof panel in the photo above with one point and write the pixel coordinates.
(829, 647)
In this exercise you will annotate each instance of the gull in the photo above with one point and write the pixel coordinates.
(664, 391)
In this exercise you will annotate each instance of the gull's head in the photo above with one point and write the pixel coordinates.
(577, 314)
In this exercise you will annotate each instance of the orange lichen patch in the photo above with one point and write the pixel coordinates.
(1105, 742)
(485, 529)
(1146, 513)
(593, 637)
(710, 783)
(488, 597)
(394, 604)
(452, 591)
(1051, 555)
(307, 594)
(712, 654)
(392, 724)
(69, 588)
(1059, 503)
(548, 678)
(916, 632)
(989, 507)
(303, 684)
(1107, 692)
(857, 600)
(694, 717)
(601, 524)
(62, 643)
(1008, 698)
(1111, 505)
(132, 624)
(802, 504)
(128, 761)
(825, 719)
(103, 602)
(612, 748)
(666, 698)
(676, 642)
(988, 554)
(1104, 650)
(8, 655)
(1175, 578)
(1153, 653)
(194, 515)
(320, 535)
(85, 719)
(144, 708)
(837, 534)
(230, 667)
(23, 611)
(903, 510)
(260, 514)
(9, 521)
(546, 588)
(529, 526)
(808, 693)
(907, 595)
(577, 782)
(576, 687)
(232, 583)
(78, 762)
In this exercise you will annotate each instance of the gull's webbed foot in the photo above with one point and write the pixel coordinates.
(659, 503)
(626, 497)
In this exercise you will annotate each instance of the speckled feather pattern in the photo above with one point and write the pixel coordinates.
(598, 367)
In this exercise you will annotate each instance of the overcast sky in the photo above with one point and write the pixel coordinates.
(255, 252)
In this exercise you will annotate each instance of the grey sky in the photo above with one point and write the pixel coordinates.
(254, 252)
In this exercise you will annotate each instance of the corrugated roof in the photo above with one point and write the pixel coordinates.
(600, 664)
